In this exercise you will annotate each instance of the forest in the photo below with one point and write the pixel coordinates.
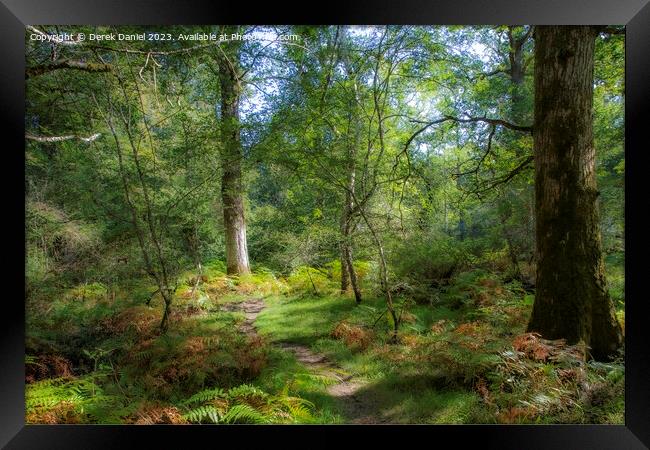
(324, 224)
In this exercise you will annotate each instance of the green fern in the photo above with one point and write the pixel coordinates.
(245, 404)
(202, 414)
(244, 413)
(83, 396)
(246, 390)
(205, 396)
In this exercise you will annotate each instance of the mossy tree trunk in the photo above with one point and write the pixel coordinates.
(572, 301)
(232, 192)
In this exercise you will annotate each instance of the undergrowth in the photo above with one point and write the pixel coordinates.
(96, 355)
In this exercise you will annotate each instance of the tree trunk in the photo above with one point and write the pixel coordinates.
(345, 277)
(348, 275)
(231, 182)
(347, 266)
(516, 73)
(512, 251)
(571, 301)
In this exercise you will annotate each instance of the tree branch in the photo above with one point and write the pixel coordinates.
(488, 150)
(65, 64)
(88, 139)
(469, 119)
(503, 179)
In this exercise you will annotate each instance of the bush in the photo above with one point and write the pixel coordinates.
(354, 336)
(58, 244)
(309, 279)
(429, 260)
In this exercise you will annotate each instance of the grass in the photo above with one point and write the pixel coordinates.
(284, 372)
(301, 319)
(414, 397)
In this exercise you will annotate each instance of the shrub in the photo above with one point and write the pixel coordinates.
(195, 352)
(87, 291)
(354, 336)
(47, 366)
(309, 279)
(430, 260)
(141, 320)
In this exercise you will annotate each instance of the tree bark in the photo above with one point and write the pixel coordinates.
(347, 265)
(345, 277)
(571, 300)
(232, 192)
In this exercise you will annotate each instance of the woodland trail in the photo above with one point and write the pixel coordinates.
(356, 405)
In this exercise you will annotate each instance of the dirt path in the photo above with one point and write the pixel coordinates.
(356, 407)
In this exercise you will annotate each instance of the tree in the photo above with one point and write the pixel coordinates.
(572, 301)
(230, 80)
(352, 147)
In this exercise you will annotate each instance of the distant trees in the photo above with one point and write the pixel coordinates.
(571, 300)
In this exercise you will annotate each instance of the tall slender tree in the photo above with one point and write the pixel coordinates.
(232, 190)
(352, 147)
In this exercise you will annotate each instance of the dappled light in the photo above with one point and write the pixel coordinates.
(325, 225)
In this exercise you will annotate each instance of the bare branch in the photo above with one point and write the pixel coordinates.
(504, 178)
(69, 137)
(488, 150)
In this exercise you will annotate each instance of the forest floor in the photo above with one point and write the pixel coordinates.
(357, 406)
(263, 349)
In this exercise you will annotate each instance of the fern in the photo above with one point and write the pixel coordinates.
(143, 355)
(298, 407)
(203, 413)
(245, 404)
(83, 396)
(246, 390)
(243, 413)
(205, 396)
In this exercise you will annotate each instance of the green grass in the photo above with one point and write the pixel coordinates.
(302, 319)
(284, 372)
(404, 398)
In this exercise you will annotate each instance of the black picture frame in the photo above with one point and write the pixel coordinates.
(635, 14)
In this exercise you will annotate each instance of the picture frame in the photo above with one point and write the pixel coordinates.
(634, 14)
